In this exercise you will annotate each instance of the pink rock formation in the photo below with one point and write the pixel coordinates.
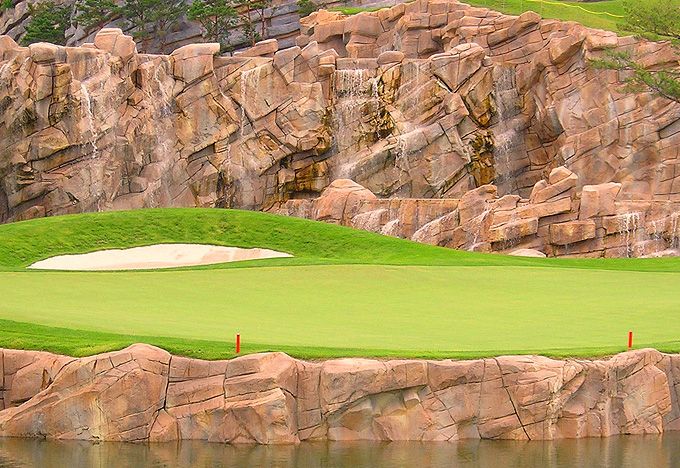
(422, 101)
(556, 219)
(143, 393)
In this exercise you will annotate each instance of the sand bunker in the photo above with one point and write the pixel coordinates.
(154, 256)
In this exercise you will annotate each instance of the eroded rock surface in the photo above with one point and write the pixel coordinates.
(422, 101)
(144, 393)
(557, 219)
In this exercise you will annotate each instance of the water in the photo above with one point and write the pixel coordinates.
(613, 452)
(675, 231)
(164, 95)
(3, 68)
(505, 132)
(89, 116)
(478, 226)
(250, 82)
(629, 224)
(357, 98)
(401, 158)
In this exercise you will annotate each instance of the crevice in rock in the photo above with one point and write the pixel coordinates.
(500, 369)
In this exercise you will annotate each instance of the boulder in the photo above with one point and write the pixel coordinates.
(265, 48)
(475, 202)
(599, 200)
(389, 57)
(113, 41)
(194, 62)
(113, 396)
(341, 201)
(572, 232)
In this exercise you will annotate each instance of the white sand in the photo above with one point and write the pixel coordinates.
(154, 256)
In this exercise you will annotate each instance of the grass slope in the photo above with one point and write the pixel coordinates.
(607, 14)
(346, 293)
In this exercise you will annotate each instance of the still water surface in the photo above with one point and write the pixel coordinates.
(614, 452)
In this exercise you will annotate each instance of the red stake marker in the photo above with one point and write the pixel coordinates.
(630, 340)
(238, 343)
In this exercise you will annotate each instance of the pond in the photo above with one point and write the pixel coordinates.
(615, 452)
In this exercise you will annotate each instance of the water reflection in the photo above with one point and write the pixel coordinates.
(615, 452)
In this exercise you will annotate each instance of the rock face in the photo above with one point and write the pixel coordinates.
(422, 104)
(143, 393)
(556, 220)
(282, 20)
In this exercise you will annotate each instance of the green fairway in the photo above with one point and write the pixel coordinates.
(345, 293)
(608, 14)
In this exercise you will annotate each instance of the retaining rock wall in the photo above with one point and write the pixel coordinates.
(142, 393)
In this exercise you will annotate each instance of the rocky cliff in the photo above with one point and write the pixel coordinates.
(282, 22)
(143, 393)
(426, 100)
(557, 219)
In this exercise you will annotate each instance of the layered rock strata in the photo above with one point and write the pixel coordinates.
(143, 393)
(558, 219)
(425, 100)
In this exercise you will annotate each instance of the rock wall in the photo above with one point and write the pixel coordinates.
(556, 220)
(143, 393)
(426, 100)
(282, 22)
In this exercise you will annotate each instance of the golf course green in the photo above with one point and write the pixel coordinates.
(343, 293)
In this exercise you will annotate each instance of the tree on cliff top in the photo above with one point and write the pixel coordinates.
(48, 23)
(94, 14)
(306, 7)
(149, 18)
(250, 13)
(217, 17)
(665, 83)
(653, 19)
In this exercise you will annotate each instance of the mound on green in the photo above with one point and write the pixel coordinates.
(344, 293)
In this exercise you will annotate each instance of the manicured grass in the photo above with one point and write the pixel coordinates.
(354, 10)
(373, 308)
(345, 293)
(606, 14)
(312, 243)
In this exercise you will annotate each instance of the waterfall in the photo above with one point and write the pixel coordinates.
(250, 82)
(675, 231)
(478, 226)
(505, 132)
(401, 151)
(3, 68)
(354, 90)
(229, 162)
(89, 115)
(655, 230)
(628, 227)
(165, 97)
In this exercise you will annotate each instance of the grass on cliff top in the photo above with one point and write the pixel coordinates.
(606, 14)
(345, 293)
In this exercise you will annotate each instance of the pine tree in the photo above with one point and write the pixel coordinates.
(48, 23)
(217, 17)
(653, 19)
(94, 14)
